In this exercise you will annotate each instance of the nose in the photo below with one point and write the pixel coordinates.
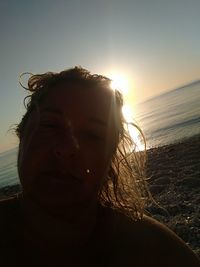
(67, 148)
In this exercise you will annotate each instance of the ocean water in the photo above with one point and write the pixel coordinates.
(172, 116)
(164, 119)
(8, 168)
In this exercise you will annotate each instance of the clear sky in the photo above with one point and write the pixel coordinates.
(154, 44)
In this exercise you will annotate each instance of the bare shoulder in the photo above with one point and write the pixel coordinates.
(9, 213)
(147, 242)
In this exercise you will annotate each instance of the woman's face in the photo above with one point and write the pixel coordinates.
(67, 147)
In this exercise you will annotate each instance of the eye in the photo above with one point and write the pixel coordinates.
(93, 136)
(48, 125)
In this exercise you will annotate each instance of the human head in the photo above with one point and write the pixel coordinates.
(115, 190)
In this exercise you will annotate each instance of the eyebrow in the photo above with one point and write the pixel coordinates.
(91, 119)
(98, 121)
(52, 110)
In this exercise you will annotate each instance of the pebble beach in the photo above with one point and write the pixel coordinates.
(174, 180)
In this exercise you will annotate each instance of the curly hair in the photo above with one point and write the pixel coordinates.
(125, 188)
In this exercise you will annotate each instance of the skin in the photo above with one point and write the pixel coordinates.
(74, 150)
(63, 161)
(148, 243)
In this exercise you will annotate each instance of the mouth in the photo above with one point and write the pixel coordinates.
(61, 177)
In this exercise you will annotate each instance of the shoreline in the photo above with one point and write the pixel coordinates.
(180, 141)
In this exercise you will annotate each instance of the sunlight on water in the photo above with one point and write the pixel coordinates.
(134, 132)
(164, 119)
(172, 116)
(121, 83)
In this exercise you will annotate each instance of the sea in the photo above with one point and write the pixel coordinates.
(164, 119)
(171, 116)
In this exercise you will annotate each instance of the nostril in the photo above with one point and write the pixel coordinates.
(64, 151)
(58, 153)
(67, 147)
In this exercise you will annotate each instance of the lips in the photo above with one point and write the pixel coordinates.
(61, 177)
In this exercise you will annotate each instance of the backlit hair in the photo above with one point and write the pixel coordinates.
(125, 188)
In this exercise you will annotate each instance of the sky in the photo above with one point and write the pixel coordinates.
(152, 44)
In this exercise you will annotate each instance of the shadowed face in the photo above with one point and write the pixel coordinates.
(67, 147)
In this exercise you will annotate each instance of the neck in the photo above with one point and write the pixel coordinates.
(45, 230)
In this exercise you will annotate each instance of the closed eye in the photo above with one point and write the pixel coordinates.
(93, 136)
(49, 125)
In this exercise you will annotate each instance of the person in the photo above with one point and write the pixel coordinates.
(83, 185)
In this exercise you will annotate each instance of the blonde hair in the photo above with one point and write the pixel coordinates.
(125, 188)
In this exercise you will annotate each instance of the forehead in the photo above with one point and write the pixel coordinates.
(74, 98)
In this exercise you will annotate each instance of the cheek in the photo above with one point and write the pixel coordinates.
(97, 156)
(97, 163)
(95, 180)
(31, 155)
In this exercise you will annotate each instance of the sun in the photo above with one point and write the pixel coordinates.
(119, 82)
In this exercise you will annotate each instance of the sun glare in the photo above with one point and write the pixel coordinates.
(134, 132)
(119, 82)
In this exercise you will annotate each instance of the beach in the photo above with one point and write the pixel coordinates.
(174, 180)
